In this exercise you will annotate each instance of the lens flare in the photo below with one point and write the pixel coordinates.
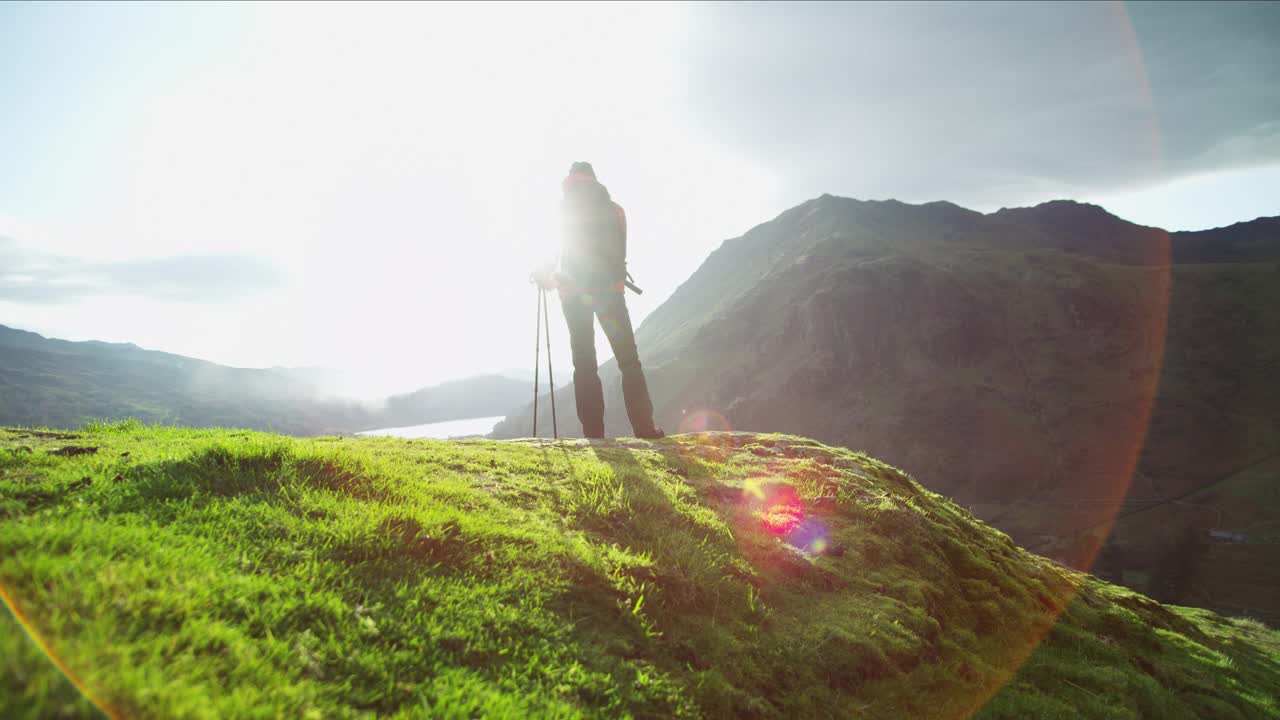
(1117, 439)
(781, 511)
(810, 536)
(25, 623)
(780, 518)
(753, 489)
(704, 420)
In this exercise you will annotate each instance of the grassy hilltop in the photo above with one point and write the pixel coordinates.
(205, 573)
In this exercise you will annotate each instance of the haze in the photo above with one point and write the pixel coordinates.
(366, 186)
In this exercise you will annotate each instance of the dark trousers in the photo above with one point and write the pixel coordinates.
(580, 312)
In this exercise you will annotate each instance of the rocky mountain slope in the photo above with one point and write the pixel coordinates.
(1052, 367)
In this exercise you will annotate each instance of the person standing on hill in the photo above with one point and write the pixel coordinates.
(591, 282)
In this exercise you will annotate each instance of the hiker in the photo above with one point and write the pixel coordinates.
(591, 282)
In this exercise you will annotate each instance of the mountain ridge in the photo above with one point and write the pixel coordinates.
(1046, 365)
(50, 381)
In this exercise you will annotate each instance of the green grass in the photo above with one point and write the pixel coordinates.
(212, 573)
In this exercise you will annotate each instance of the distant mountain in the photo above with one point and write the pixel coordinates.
(523, 374)
(480, 396)
(64, 384)
(1020, 360)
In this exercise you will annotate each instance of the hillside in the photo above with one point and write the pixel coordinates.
(199, 573)
(45, 381)
(1050, 367)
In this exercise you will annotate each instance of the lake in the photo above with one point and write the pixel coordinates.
(440, 430)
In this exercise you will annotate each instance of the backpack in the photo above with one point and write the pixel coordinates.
(621, 233)
(594, 253)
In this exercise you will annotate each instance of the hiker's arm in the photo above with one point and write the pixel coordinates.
(546, 277)
(547, 274)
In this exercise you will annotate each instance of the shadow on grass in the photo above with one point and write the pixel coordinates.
(224, 472)
(649, 522)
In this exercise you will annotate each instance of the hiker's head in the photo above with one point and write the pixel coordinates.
(578, 172)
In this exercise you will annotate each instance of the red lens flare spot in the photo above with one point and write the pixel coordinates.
(695, 421)
(781, 513)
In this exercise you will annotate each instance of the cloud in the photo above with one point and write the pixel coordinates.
(32, 276)
(983, 103)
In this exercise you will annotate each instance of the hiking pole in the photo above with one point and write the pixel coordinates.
(551, 378)
(537, 361)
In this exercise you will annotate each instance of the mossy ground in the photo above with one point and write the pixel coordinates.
(206, 573)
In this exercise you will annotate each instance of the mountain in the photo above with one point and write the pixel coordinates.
(49, 382)
(479, 396)
(1053, 367)
(177, 572)
(65, 384)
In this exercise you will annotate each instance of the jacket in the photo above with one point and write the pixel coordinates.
(593, 246)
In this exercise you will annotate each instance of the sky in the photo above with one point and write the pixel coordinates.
(366, 186)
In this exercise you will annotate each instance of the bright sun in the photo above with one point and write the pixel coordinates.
(398, 163)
